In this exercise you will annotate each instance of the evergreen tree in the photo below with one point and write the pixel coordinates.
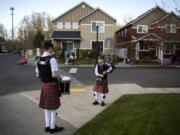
(38, 40)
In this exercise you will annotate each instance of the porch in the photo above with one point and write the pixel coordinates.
(68, 41)
(152, 48)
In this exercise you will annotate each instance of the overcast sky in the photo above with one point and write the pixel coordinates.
(116, 8)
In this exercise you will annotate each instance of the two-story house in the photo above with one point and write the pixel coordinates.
(81, 27)
(153, 35)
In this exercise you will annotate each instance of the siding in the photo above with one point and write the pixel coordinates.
(85, 27)
(171, 19)
(75, 14)
(97, 16)
(87, 36)
(151, 17)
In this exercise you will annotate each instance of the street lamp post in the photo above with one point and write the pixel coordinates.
(97, 36)
(12, 9)
(97, 45)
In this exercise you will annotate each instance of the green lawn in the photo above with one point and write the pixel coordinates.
(147, 114)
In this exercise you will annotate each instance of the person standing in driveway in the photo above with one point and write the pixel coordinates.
(47, 71)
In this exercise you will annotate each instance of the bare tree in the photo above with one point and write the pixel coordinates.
(171, 4)
(3, 32)
(177, 6)
(127, 18)
(38, 21)
(26, 32)
(31, 25)
(49, 27)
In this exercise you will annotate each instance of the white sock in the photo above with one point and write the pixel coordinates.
(53, 119)
(96, 96)
(47, 117)
(103, 96)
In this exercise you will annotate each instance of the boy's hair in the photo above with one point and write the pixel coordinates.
(101, 57)
(48, 45)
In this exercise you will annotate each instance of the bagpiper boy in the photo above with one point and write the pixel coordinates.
(47, 71)
(101, 87)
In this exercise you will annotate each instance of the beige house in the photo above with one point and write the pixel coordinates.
(81, 27)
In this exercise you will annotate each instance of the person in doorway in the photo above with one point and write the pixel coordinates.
(47, 71)
(101, 88)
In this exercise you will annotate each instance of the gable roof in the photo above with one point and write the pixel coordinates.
(94, 12)
(171, 13)
(151, 35)
(141, 16)
(72, 9)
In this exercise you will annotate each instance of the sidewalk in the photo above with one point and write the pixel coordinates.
(77, 108)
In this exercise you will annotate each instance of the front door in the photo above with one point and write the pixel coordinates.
(97, 46)
(68, 47)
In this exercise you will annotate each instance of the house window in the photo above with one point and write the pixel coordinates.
(67, 25)
(143, 47)
(142, 29)
(100, 25)
(125, 32)
(108, 41)
(122, 33)
(60, 25)
(75, 25)
(170, 28)
(97, 46)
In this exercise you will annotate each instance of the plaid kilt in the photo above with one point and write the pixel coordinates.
(103, 88)
(50, 96)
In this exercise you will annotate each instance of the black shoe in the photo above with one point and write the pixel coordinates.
(57, 129)
(47, 129)
(95, 103)
(103, 104)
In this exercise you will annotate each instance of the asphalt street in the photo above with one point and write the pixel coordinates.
(15, 78)
(144, 77)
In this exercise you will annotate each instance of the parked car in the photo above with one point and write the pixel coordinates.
(4, 51)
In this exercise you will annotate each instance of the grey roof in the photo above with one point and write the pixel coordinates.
(71, 35)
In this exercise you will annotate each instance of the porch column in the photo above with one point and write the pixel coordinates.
(137, 50)
(174, 49)
(162, 53)
(38, 52)
(159, 53)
